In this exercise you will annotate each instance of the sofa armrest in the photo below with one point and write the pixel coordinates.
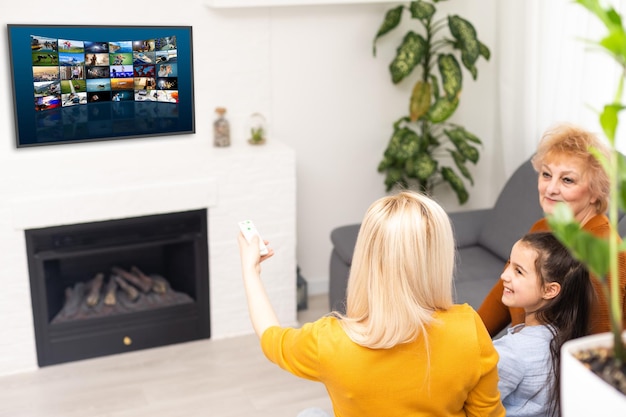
(467, 225)
(344, 239)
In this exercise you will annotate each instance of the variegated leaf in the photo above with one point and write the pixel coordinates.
(422, 10)
(471, 137)
(426, 166)
(420, 100)
(451, 76)
(393, 177)
(457, 137)
(469, 65)
(465, 35)
(392, 20)
(434, 85)
(408, 55)
(442, 109)
(484, 51)
(456, 183)
(404, 144)
(459, 161)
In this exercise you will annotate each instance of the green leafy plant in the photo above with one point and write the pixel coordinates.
(424, 137)
(601, 255)
(256, 134)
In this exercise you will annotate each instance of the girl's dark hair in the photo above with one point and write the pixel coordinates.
(567, 314)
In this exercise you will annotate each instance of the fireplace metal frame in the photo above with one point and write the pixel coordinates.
(182, 233)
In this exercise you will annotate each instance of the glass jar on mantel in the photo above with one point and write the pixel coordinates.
(221, 128)
(257, 129)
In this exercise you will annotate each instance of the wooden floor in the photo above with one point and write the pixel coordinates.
(208, 378)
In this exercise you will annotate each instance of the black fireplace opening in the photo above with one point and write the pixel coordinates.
(121, 285)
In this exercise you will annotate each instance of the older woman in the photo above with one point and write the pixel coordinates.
(568, 173)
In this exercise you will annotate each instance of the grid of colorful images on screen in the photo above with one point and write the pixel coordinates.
(71, 72)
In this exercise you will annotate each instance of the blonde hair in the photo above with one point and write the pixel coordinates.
(567, 140)
(401, 272)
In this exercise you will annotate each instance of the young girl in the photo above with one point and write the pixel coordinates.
(555, 292)
(403, 348)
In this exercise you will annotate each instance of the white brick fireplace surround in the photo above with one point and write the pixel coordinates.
(67, 184)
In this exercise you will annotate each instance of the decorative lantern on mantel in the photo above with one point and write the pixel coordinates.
(257, 129)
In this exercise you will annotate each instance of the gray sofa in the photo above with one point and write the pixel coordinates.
(484, 239)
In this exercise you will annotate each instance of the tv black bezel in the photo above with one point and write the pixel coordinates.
(177, 119)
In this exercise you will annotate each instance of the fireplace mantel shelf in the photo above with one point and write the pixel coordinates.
(231, 4)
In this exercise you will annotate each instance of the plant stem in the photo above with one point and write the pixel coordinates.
(425, 125)
(614, 301)
(618, 93)
(614, 304)
(438, 25)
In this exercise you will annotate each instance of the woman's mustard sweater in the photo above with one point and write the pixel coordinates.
(458, 377)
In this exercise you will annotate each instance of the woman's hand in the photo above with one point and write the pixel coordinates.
(249, 252)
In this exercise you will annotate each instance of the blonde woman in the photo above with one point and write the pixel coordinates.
(402, 348)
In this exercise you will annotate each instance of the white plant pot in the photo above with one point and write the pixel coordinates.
(583, 393)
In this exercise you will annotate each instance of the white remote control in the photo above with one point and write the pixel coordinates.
(248, 229)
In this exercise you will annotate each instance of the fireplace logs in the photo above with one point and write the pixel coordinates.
(109, 294)
(73, 299)
(143, 282)
(160, 285)
(94, 289)
(124, 292)
(131, 292)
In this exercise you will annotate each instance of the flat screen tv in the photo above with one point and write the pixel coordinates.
(91, 83)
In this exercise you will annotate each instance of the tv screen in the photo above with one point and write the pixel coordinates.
(89, 83)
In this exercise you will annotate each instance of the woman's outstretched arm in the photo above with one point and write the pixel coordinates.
(261, 312)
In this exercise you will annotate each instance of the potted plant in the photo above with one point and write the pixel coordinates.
(424, 139)
(257, 135)
(258, 129)
(605, 354)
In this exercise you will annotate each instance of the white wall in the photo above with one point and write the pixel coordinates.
(310, 71)
(334, 102)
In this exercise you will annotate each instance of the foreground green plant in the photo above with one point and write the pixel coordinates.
(601, 255)
(423, 137)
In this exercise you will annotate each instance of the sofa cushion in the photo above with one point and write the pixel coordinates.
(468, 225)
(515, 211)
(476, 271)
